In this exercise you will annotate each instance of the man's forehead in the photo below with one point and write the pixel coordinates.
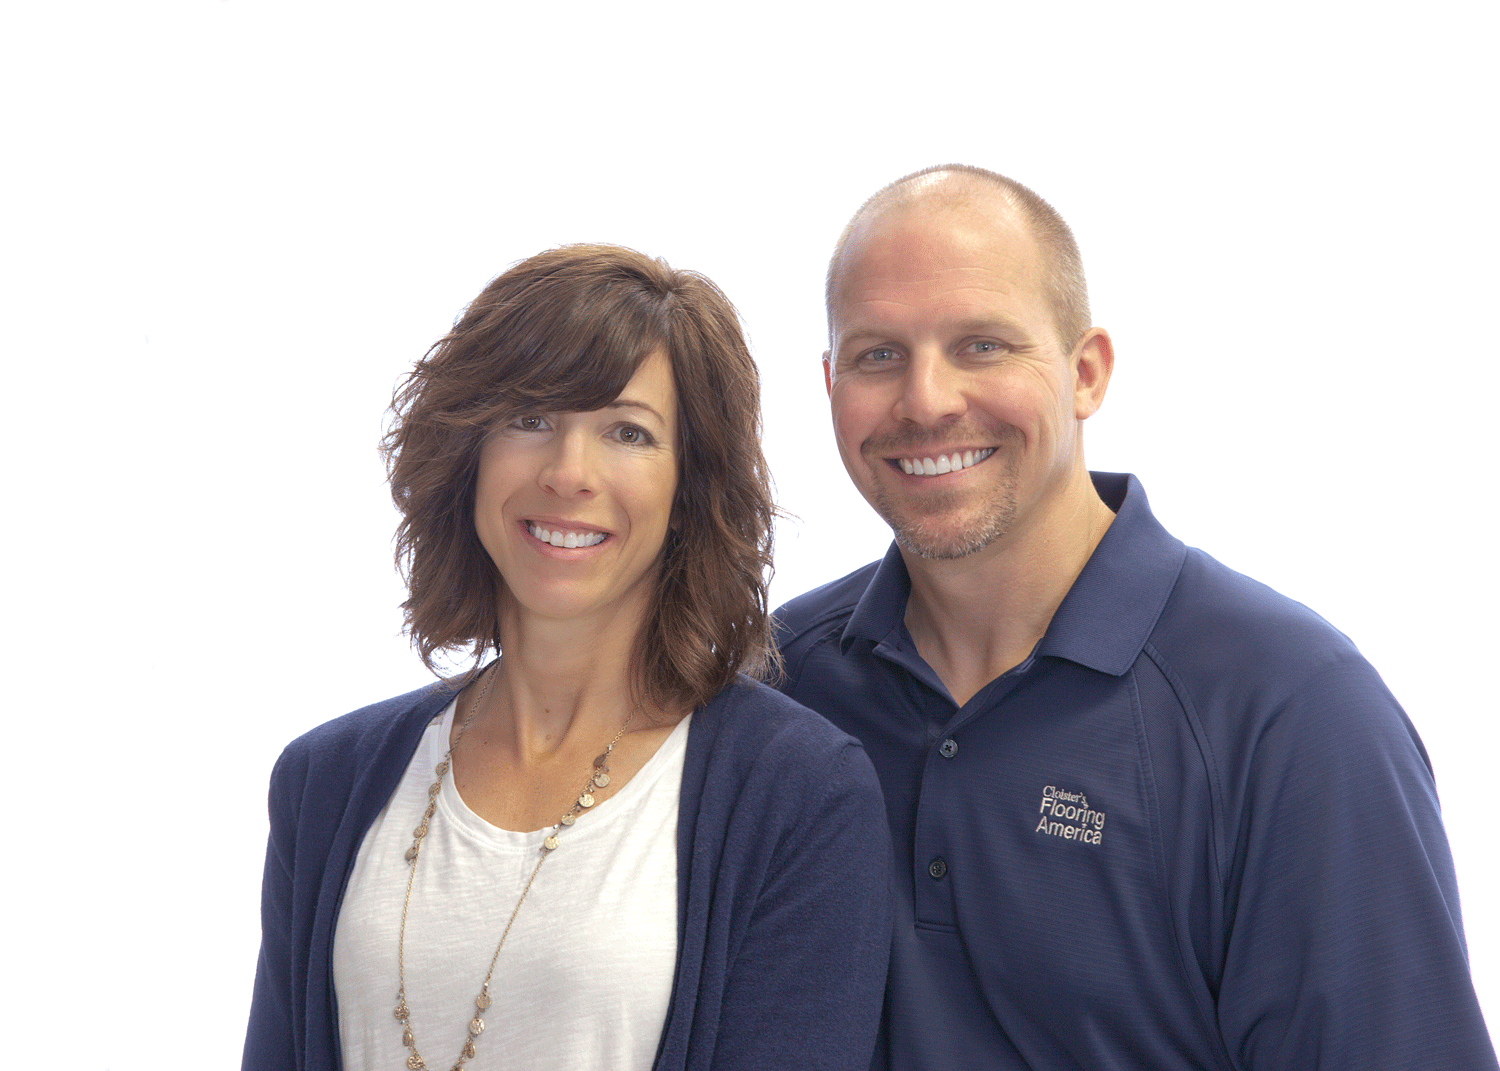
(959, 295)
(916, 240)
(943, 264)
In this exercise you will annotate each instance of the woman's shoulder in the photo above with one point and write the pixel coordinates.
(357, 738)
(750, 734)
(751, 715)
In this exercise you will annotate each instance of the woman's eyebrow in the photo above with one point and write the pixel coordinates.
(626, 403)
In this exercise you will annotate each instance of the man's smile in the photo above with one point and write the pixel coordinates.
(942, 463)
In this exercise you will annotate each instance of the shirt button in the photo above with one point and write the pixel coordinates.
(948, 748)
(937, 868)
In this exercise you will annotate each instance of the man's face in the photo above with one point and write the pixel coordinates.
(953, 399)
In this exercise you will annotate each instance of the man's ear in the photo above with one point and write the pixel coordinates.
(1093, 362)
(828, 372)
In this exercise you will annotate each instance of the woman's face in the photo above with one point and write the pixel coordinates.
(573, 507)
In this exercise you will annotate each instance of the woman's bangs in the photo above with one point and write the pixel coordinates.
(585, 361)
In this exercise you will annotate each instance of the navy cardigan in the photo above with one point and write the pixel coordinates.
(783, 863)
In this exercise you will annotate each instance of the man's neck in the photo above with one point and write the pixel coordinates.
(975, 617)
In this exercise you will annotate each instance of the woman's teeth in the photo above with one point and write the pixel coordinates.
(926, 466)
(566, 539)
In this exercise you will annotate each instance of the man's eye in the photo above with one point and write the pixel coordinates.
(880, 356)
(984, 345)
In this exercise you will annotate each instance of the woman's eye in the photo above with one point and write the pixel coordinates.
(529, 423)
(631, 435)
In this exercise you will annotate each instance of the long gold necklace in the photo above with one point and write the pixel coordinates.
(598, 779)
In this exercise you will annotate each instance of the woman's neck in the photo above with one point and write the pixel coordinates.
(533, 724)
(557, 681)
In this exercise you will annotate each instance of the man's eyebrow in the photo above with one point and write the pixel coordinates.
(866, 332)
(984, 324)
(861, 333)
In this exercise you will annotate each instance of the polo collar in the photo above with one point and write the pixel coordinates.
(879, 614)
(1107, 616)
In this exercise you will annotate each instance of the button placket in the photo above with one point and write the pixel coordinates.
(941, 790)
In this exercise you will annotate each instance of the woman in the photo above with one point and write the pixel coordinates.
(608, 847)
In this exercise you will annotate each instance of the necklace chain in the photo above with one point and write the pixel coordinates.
(598, 779)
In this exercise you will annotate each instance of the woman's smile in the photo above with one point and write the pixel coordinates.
(564, 537)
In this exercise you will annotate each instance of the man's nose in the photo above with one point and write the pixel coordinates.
(932, 391)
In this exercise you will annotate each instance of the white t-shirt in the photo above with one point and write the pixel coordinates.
(585, 976)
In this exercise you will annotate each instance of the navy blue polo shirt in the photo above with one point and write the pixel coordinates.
(1192, 830)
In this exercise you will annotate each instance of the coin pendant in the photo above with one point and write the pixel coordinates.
(550, 844)
(585, 800)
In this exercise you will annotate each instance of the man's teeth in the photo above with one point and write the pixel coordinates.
(566, 539)
(926, 466)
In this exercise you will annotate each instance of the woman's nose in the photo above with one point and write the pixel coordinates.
(568, 470)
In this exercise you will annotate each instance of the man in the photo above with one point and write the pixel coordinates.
(1147, 813)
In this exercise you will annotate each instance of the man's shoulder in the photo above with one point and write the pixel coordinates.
(824, 608)
(1212, 600)
(1256, 667)
(1196, 611)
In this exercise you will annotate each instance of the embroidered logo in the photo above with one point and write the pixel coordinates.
(1068, 815)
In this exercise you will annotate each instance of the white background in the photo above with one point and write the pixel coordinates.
(229, 227)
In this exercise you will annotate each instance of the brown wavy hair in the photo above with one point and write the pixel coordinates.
(565, 331)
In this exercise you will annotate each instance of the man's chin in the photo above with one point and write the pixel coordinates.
(945, 542)
(946, 527)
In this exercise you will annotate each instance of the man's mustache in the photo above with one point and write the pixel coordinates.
(917, 439)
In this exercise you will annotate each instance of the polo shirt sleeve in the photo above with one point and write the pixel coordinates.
(1343, 945)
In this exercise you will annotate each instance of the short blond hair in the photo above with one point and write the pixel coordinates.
(1067, 290)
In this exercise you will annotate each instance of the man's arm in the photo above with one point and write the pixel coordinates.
(1344, 945)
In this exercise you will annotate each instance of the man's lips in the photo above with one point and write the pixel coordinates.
(939, 463)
